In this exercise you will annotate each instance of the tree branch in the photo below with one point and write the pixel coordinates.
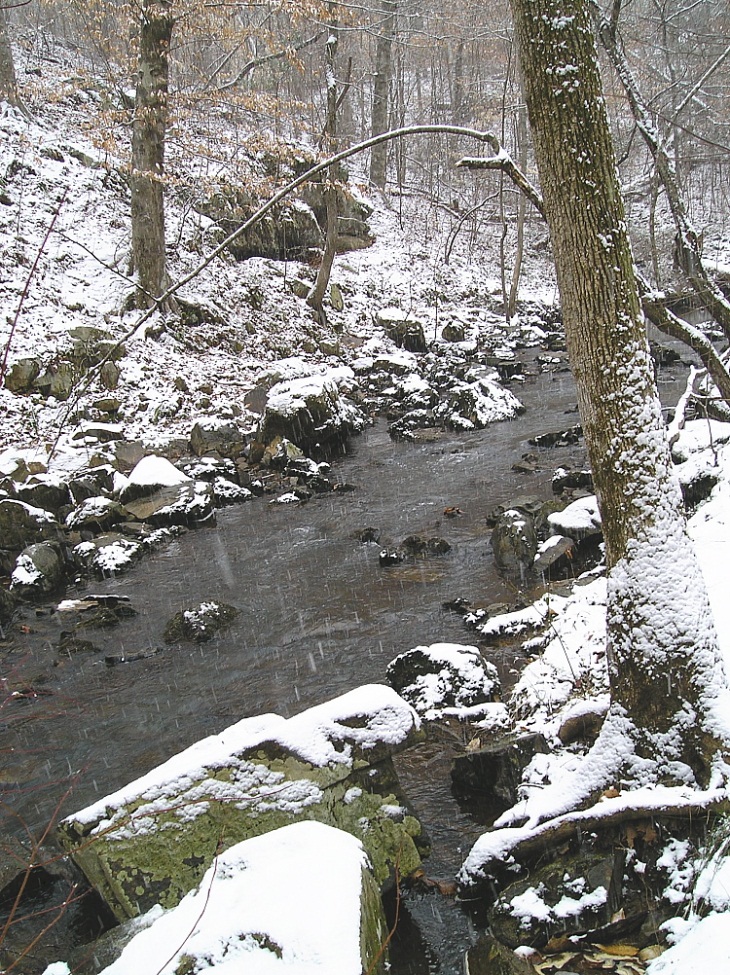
(267, 58)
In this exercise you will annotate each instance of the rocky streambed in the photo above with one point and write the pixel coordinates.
(96, 690)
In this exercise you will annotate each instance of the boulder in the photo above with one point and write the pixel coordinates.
(23, 524)
(580, 520)
(108, 555)
(38, 570)
(191, 503)
(22, 375)
(473, 406)
(444, 679)
(220, 437)
(573, 894)
(554, 557)
(405, 331)
(514, 542)
(45, 491)
(96, 515)
(311, 904)
(201, 623)
(312, 413)
(58, 380)
(152, 841)
(149, 475)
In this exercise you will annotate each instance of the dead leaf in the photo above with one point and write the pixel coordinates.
(645, 832)
(622, 951)
(474, 745)
(611, 793)
(557, 944)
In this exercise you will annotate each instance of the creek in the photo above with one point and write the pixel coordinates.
(319, 616)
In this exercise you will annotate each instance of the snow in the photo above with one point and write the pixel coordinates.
(704, 949)
(322, 735)
(152, 471)
(287, 901)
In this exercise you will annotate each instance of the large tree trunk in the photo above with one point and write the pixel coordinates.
(665, 667)
(381, 88)
(148, 150)
(8, 83)
(315, 298)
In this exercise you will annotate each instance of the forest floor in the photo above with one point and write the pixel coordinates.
(64, 247)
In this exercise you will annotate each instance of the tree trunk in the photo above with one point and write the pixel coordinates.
(665, 667)
(381, 87)
(8, 82)
(148, 150)
(315, 298)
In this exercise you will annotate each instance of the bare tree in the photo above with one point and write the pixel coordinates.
(664, 661)
(8, 81)
(148, 150)
(381, 88)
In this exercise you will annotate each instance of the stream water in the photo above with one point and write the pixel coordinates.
(319, 616)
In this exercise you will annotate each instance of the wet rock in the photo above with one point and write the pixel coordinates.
(390, 557)
(571, 895)
(96, 515)
(489, 957)
(7, 606)
(96, 611)
(22, 375)
(312, 413)
(39, 570)
(561, 438)
(565, 480)
(406, 426)
(417, 545)
(217, 437)
(127, 453)
(108, 555)
(697, 487)
(514, 542)
(406, 332)
(24, 524)
(443, 679)
(530, 504)
(69, 643)
(555, 557)
(201, 623)
(494, 772)
(368, 536)
(152, 841)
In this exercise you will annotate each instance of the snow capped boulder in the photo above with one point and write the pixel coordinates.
(201, 623)
(38, 570)
(580, 520)
(158, 493)
(151, 841)
(108, 555)
(46, 491)
(96, 515)
(311, 412)
(445, 679)
(23, 524)
(474, 405)
(300, 898)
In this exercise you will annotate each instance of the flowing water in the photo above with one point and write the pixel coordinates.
(319, 616)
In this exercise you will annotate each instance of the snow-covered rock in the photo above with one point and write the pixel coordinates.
(152, 840)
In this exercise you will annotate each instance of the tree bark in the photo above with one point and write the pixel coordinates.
(381, 88)
(148, 151)
(315, 298)
(665, 667)
(8, 81)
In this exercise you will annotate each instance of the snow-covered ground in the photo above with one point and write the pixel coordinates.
(56, 173)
